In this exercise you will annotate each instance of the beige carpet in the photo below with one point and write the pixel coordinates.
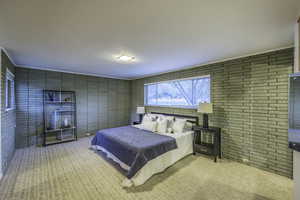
(72, 171)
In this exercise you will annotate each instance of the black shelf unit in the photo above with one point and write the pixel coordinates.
(212, 148)
(59, 109)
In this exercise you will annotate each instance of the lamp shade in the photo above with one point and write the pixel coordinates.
(205, 108)
(140, 110)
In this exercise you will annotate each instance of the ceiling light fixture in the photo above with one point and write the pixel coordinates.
(125, 58)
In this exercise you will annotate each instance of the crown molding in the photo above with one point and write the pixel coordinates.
(72, 72)
(7, 54)
(214, 62)
(149, 75)
(58, 70)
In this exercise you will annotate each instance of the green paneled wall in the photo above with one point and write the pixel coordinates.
(101, 102)
(250, 97)
(8, 117)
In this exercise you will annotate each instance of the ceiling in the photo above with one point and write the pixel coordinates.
(163, 35)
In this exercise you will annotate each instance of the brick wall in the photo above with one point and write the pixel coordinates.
(8, 118)
(250, 97)
(101, 102)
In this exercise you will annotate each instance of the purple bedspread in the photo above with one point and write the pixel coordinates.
(133, 146)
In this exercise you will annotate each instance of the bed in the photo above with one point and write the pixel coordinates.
(143, 153)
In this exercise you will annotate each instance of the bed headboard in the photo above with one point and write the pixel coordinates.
(191, 119)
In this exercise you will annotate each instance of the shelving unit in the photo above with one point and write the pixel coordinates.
(59, 117)
(201, 146)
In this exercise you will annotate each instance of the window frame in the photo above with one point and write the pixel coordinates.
(173, 80)
(9, 77)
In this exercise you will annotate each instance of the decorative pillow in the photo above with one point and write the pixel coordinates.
(178, 125)
(162, 125)
(146, 118)
(154, 116)
(149, 126)
(188, 126)
(170, 130)
(170, 120)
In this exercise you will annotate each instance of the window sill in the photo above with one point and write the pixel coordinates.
(180, 107)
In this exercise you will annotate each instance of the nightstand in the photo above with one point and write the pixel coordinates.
(200, 146)
(136, 123)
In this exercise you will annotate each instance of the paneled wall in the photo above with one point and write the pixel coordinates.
(250, 97)
(101, 102)
(8, 118)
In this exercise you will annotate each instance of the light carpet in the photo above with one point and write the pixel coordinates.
(71, 171)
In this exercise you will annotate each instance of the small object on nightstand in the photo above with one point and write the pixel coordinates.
(201, 146)
(141, 111)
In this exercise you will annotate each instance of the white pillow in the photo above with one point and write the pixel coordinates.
(171, 118)
(178, 125)
(147, 118)
(154, 116)
(188, 126)
(149, 126)
(162, 125)
(170, 122)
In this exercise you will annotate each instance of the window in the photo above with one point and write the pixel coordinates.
(10, 90)
(179, 93)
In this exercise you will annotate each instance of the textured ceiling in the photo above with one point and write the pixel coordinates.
(163, 35)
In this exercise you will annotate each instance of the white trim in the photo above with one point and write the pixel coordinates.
(9, 76)
(180, 107)
(9, 73)
(72, 72)
(179, 79)
(11, 60)
(173, 80)
(58, 70)
(212, 62)
(149, 75)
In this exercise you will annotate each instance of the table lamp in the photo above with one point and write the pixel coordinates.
(205, 108)
(141, 111)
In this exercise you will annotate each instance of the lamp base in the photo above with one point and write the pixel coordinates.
(141, 117)
(205, 120)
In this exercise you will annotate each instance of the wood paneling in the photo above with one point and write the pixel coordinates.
(99, 102)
